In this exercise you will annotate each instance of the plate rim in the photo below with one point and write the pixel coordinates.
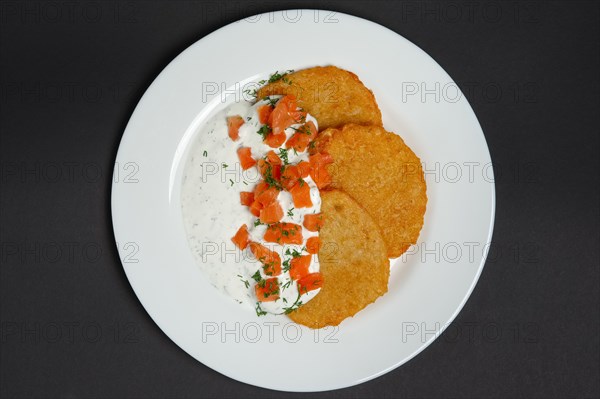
(115, 192)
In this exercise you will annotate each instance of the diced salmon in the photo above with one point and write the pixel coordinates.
(273, 171)
(302, 138)
(284, 233)
(246, 160)
(291, 103)
(264, 111)
(299, 266)
(298, 142)
(304, 169)
(285, 114)
(262, 166)
(269, 171)
(273, 158)
(246, 198)
(276, 172)
(270, 259)
(318, 171)
(301, 195)
(271, 213)
(310, 282)
(241, 237)
(233, 126)
(313, 244)
(260, 187)
(255, 208)
(265, 194)
(311, 130)
(290, 176)
(313, 222)
(320, 176)
(322, 158)
(275, 140)
(267, 290)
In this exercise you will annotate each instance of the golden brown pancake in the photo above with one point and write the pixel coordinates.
(353, 263)
(381, 173)
(332, 95)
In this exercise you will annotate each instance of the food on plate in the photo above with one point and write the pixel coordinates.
(307, 197)
(332, 95)
(282, 235)
(380, 172)
(353, 263)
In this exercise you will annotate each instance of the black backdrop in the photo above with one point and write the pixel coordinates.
(72, 73)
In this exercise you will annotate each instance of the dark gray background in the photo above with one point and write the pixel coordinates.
(72, 73)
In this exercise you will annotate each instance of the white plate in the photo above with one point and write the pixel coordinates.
(428, 286)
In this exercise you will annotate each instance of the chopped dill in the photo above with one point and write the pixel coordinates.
(259, 311)
(293, 253)
(286, 265)
(264, 131)
(297, 303)
(251, 93)
(270, 180)
(272, 101)
(283, 154)
(246, 283)
(280, 76)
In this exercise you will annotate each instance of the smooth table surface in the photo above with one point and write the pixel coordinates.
(72, 73)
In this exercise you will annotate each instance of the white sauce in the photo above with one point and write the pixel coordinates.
(212, 212)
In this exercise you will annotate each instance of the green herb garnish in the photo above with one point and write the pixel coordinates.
(273, 289)
(297, 303)
(246, 283)
(286, 285)
(277, 76)
(293, 253)
(270, 180)
(259, 311)
(264, 131)
(286, 265)
(272, 101)
(251, 93)
(283, 154)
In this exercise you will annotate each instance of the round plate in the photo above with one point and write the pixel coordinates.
(428, 285)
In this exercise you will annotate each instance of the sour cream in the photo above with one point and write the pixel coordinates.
(212, 213)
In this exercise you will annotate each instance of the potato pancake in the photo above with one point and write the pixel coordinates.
(353, 263)
(332, 95)
(381, 173)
